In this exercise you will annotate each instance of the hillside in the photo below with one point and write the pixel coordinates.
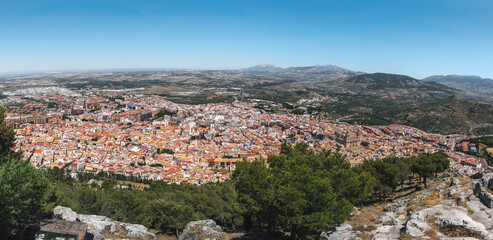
(386, 86)
(474, 87)
(455, 207)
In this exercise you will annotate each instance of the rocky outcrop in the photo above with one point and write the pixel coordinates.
(476, 175)
(455, 207)
(444, 217)
(65, 213)
(487, 181)
(136, 230)
(343, 232)
(485, 197)
(99, 225)
(202, 230)
(482, 188)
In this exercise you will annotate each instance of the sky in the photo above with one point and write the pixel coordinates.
(412, 37)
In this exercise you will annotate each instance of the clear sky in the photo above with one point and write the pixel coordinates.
(413, 37)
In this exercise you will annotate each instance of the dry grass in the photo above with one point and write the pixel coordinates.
(459, 232)
(411, 208)
(364, 236)
(363, 223)
(432, 234)
(432, 199)
(405, 236)
(368, 215)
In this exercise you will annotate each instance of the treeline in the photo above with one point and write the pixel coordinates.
(84, 177)
(304, 192)
(162, 206)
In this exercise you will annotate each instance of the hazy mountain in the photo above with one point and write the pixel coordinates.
(263, 68)
(474, 87)
(462, 79)
(318, 69)
(386, 86)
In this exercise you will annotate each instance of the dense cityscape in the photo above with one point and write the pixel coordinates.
(125, 132)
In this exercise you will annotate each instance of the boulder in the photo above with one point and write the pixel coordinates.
(417, 228)
(445, 216)
(456, 218)
(485, 197)
(394, 204)
(400, 210)
(343, 232)
(97, 225)
(202, 230)
(137, 230)
(388, 232)
(388, 218)
(487, 181)
(479, 213)
(65, 213)
(476, 175)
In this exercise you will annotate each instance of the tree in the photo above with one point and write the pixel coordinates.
(7, 139)
(22, 196)
(386, 173)
(302, 191)
(254, 184)
(424, 166)
(308, 197)
(441, 162)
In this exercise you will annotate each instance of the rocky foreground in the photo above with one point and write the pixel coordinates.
(103, 228)
(455, 207)
(100, 227)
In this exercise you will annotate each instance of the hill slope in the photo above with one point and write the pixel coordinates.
(388, 86)
(474, 87)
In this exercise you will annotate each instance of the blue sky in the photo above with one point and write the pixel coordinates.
(412, 37)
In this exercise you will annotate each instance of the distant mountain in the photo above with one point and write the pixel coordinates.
(386, 86)
(263, 68)
(318, 69)
(463, 79)
(294, 74)
(475, 87)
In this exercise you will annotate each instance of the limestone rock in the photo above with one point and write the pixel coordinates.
(97, 225)
(202, 230)
(136, 230)
(485, 197)
(476, 175)
(487, 181)
(388, 218)
(455, 218)
(343, 232)
(417, 228)
(445, 216)
(388, 232)
(65, 213)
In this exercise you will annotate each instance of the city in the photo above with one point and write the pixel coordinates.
(125, 132)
